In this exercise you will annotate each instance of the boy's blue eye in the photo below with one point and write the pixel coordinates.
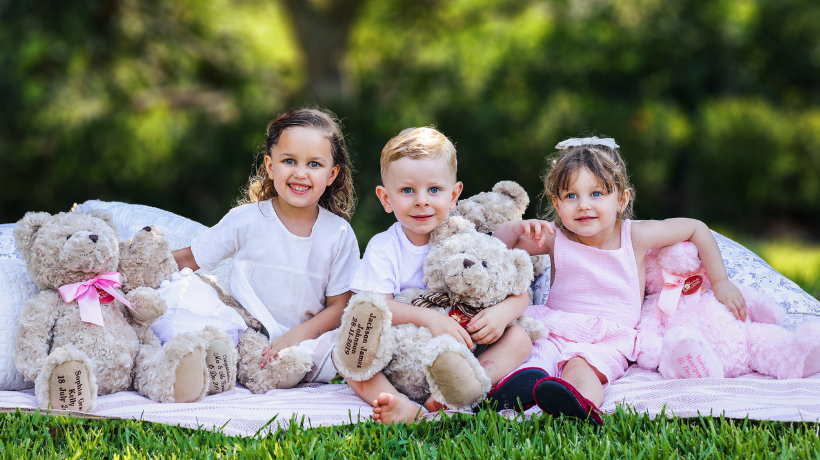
(406, 190)
(434, 189)
(289, 161)
(314, 164)
(571, 196)
(597, 194)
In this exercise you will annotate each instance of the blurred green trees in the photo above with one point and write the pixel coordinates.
(716, 104)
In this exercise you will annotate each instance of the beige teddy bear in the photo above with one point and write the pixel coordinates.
(146, 261)
(465, 272)
(488, 210)
(75, 338)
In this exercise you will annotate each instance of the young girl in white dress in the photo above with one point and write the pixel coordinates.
(294, 251)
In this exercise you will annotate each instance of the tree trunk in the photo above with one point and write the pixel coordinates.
(323, 30)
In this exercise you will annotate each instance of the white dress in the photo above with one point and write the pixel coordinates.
(282, 279)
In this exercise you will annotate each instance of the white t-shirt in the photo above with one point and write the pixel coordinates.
(280, 278)
(391, 263)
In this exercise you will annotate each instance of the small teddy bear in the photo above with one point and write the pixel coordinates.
(465, 272)
(196, 319)
(488, 210)
(75, 338)
(685, 332)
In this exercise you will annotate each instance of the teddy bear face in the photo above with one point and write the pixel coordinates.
(679, 259)
(146, 259)
(66, 248)
(477, 269)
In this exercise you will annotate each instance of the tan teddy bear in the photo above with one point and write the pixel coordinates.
(75, 338)
(488, 210)
(146, 261)
(465, 272)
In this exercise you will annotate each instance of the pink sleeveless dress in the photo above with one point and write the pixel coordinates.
(593, 307)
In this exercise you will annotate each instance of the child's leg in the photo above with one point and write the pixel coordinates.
(585, 378)
(388, 404)
(506, 354)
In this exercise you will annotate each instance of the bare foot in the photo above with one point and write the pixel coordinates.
(390, 408)
(433, 406)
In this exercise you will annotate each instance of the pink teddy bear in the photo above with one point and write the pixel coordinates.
(685, 332)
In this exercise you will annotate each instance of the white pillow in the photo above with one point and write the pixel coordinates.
(746, 268)
(130, 218)
(15, 288)
(180, 231)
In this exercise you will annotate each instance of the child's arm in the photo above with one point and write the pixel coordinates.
(658, 233)
(185, 258)
(534, 236)
(326, 320)
(489, 324)
(437, 323)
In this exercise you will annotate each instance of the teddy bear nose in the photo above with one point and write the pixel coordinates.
(147, 229)
(93, 238)
(468, 263)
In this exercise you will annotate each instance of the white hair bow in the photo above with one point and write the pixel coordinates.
(576, 141)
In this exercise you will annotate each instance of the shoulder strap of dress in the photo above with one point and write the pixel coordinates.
(626, 233)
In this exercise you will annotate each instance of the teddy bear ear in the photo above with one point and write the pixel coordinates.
(523, 265)
(26, 229)
(106, 217)
(514, 191)
(452, 226)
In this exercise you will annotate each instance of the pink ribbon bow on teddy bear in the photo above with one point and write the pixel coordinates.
(674, 286)
(88, 295)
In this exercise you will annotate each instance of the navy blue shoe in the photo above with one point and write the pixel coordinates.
(515, 390)
(557, 397)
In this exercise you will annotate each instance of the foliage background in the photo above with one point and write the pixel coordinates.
(716, 104)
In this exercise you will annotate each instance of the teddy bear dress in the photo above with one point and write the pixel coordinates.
(593, 307)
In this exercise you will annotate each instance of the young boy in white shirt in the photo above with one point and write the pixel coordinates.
(418, 169)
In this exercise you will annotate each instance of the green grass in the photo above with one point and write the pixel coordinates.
(485, 436)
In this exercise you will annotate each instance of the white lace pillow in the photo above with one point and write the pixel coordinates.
(7, 248)
(15, 288)
(180, 231)
(746, 268)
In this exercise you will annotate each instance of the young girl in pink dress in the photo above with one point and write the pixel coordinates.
(598, 273)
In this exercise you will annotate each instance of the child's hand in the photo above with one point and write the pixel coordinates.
(728, 294)
(439, 324)
(271, 351)
(534, 229)
(487, 326)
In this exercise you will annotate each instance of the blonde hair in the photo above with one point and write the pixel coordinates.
(605, 163)
(418, 143)
(339, 197)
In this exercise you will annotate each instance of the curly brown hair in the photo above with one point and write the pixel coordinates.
(605, 163)
(339, 197)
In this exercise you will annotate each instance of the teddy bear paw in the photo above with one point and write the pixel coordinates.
(69, 387)
(689, 357)
(362, 347)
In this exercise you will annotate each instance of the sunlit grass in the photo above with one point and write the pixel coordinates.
(483, 436)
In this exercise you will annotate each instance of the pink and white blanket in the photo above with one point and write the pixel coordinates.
(240, 413)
